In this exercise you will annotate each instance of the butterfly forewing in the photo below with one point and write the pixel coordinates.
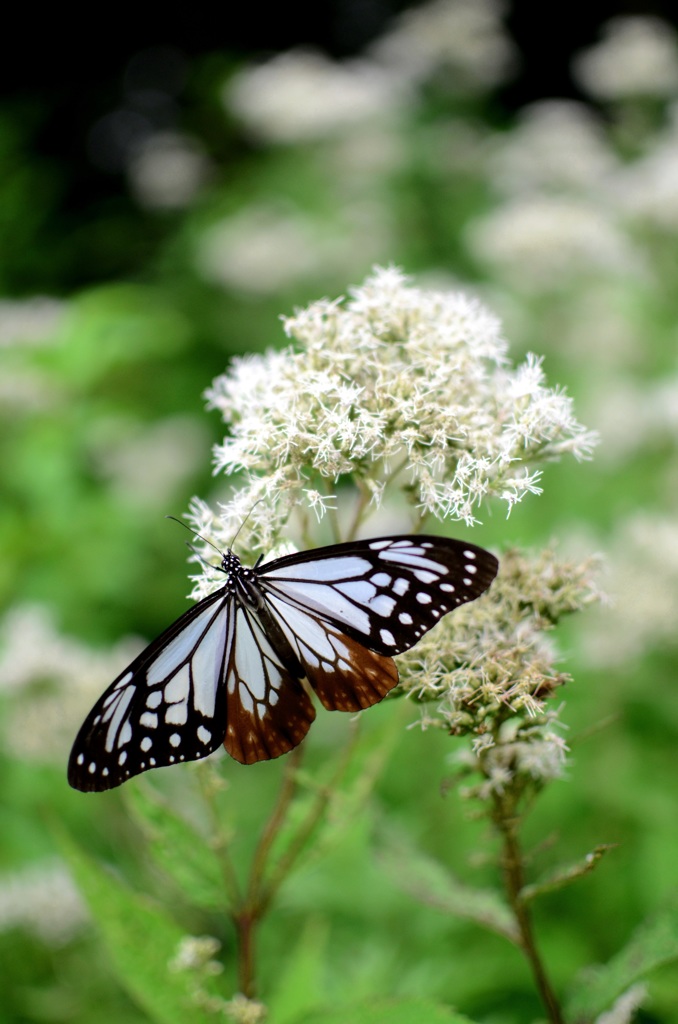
(387, 592)
(166, 707)
(232, 669)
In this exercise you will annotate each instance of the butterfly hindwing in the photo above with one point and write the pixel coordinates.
(268, 711)
(345, 674)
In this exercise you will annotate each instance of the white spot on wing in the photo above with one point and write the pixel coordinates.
(387, 637)
(423, 597)
(382, 604)
(178, 686)
(414, 559)
(424, 576)
(358, 590)
(176, 714)
(149, 720)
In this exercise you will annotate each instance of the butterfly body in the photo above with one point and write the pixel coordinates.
(237, 667)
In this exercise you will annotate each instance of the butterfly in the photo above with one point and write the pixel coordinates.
(237, 667)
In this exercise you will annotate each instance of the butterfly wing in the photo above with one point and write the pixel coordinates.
(213, 677)
(268, 711)
(230, 671)
(345, 674)
(346, 608)
(167, 706)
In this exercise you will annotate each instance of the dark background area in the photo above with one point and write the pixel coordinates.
(59, 78)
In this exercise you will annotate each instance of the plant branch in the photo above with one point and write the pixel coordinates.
(249, 909)
(506, 819)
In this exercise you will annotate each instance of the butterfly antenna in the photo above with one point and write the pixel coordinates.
(199, 536)
(237, 532)
(208, 565)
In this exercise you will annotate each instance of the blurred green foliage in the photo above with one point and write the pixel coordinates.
(103, 432)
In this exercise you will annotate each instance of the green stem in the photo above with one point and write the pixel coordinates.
(249, 909)
(362, 502)
(305, 830)
(507, 822)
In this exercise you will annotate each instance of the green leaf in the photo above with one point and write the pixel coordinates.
(179, 849)
(430, 882)
(142, 942)
(302, 983)
(653, 944)
(564, 875)
(387, 1011)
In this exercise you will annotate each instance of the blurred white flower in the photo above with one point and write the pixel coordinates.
(601, 324)
(303, 95)
(643, 586)
(197, 953)
(147, 463)
(167, 170)
(30, 321)
(43, 900)
(266, 248)
(647, 189)
(550, 242)
(464, 38)
(638, 56)
(260, 250)
(59, 677)
(635, 417)
(624, 1009)
(557, 145)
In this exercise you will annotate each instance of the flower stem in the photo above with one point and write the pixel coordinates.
(250, 908)
(507, 821)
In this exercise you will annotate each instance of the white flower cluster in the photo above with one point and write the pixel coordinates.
(489, 668)
(396, 388)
